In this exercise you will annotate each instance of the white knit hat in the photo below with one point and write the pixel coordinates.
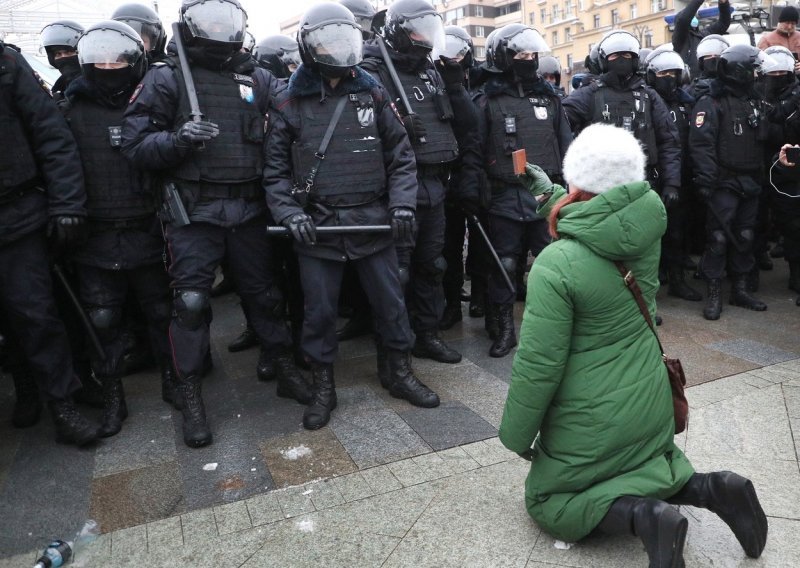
(602, 157)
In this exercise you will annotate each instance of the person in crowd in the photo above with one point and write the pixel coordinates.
(686, 35)
(145, 22)
(785, 34)
(278, 54)
(60, 40)
(590, 402)
(550, 70)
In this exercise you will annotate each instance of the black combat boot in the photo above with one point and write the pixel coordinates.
(451, 316)
(753, 280)
(506, 338)
(678, 286)
(742, 298)
(91, 391)
(763, 260)
(291, 383)
(246, 340)
(28, 405)
(733, 499)
(71, 426)
(661, 528)
(430, 346)
(384, 372)
(115, 410)
(318, 412)
(358, 325)
(196, 432)
(405, 385)
(169, 386)
(794, 275)
(265, 368)
(492, 321)
(713, 307)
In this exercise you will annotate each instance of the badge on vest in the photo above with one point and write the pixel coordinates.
(246, 92)
(115, 136)
(699, 119)
(540, 112)
(136, 92)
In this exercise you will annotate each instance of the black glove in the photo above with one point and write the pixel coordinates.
(705, 193)
(415, 128)
(670, 196)
(66, 231)
(302, 228)
(192, 133)
(451, 71)
(402, 223)
(469, 205)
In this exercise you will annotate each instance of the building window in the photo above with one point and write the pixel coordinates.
(532, 19)
(614, 17)
(479, 11)
(597, 20)
(657, 5)
(480, 52)
(479, 31)
(567, 34)
(543, 15)
(569, 61)
(633, 11)
(556, 15)
(555, 37)
(648, 39)
(568, 9)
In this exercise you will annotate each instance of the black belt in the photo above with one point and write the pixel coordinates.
(433, 169)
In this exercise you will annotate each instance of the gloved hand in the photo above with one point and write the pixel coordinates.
(302, 228)
(705, 193)
(451, 71)
(414, 127)
(670, 196)
(192, 133)
(535, 180)
(527, 454)
(402, 223)
(66, 231)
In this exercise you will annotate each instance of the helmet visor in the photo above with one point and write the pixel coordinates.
(426, 31)
(216, 21)
(337, 45)
(109, 48)
(528, 41)
(148, 32)
(455, 47)
(365, 23)
(59, 34)
(292, 57)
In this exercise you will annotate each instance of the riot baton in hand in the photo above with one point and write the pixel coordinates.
(396, 80)
(188, 80)
(726, 229)
(87, 325)
(278, 231)
(474, 220)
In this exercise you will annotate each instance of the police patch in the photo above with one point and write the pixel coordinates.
(136, 92)
(540, 112)
(246, 93)
(396, 113)
(699, 119)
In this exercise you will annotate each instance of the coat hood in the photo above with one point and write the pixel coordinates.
(305, 81)
(619, 224)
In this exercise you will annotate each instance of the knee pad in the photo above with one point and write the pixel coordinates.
(191, 309)
(104, 320)
(717, 243)
(747, 236)
(509, 264)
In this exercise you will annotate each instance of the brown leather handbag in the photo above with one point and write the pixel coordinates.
(677, 379)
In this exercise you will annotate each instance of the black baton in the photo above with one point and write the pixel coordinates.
(474, 220)
(98, 348)
(334, 229)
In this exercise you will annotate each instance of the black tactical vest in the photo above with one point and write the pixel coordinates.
(679, 113)
(352, 171)
(17, 162)
(115, 190)
(629, 109)
(740, 136)
(428, 99)
(522, 122)
(229, 100)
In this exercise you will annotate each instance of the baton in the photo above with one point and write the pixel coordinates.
(396, 80)
(98, 348)
(726, 229)
(474, 220)
(186, 71)
(334, 229)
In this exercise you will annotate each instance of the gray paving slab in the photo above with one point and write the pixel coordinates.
(488, 454)
(791, 395)
(457, 460)
(198, 526)
(325, 495)
(129, 542)
(408, 472)
(354, 486)
(755, 351)
(264, 509)
(295, 501)
(232, 517)
(450, 424)
(165, 534)
(381, 479)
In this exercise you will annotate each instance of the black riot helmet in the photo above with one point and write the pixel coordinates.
(592, 61)
(738, 65)
(112, 56)
(249, 42)
(59, 35)
(279, 54)
(617, 41)
(414, 26)
(147, 24)
(549, 65)
(511, 40)
(364, 11)
(458, 45)
(213, 23)
(330, 39)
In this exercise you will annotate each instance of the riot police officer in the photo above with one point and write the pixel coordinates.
(621, 97)
(278, 54)
(708, 52)
(365, 175)
(518, 110)
(726, 145)
(124, 246)
(441, 129)
(60, 41)
(213, 170)
(147, 24)
(41, 191)
(664, 72)
(550, 70)
(364, 12)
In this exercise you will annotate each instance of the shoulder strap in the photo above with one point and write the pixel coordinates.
(326, 139)
(633, 286)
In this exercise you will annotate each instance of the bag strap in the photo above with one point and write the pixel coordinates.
(633, 286)
(323, 146)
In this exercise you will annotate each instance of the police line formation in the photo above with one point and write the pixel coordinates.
(379, 143)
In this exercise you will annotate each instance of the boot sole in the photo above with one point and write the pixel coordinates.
(499, 354)
(425, 355)
(732, 303)
(198, 443)
(323, 424)
(754, 538)
(413, 402)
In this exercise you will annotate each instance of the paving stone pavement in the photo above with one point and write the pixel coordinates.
(386, 484)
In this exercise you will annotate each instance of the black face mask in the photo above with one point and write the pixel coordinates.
(621, 67)
(667, 87)
(525, 69)
(710, 66)
(68, 66)
(112, 81)
(210, 57)
(331, 72)
(774, 85)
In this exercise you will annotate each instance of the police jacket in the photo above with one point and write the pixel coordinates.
(368, 168)
(123, 232)
(657, 129)
(680, 110)
(510, 119)
(40, 172)
(726, 140)
(220, 184)
(450, 120)
(685, 38)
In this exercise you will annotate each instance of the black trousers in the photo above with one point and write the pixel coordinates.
(478, 257)
(511, 239)
(195, 251)
(26, 301)
(673, 243)
(786, 212)
(104, 289)
(739, 214)
(322, 280)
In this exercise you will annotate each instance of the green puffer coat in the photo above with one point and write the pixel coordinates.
(588, 374)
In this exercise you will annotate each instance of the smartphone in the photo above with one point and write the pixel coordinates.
(793, 155)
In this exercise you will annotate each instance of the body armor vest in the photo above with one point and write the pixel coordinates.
(114, 189)
(522, 122)
(352, 171)
(740, 142)
(17, 162)
(229, 100)
(629, 109)
(428, 100)
(679, 113)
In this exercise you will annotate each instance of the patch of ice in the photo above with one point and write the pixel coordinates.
(306, 525)
(561, 545)
(210, 466)
(296, 453)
